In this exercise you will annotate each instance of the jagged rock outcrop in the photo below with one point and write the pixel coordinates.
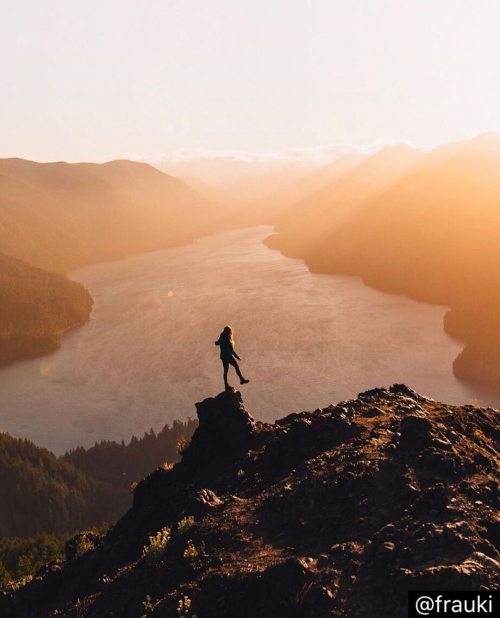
(224, 427)
(336, 512)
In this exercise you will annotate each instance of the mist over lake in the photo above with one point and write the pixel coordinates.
(148, 353)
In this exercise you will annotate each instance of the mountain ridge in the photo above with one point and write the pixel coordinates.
(430, 234)
(60, 216)
(336, 512)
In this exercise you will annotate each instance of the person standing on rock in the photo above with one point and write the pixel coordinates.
(228, 355)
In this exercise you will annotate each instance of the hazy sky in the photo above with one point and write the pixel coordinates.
(95, 79)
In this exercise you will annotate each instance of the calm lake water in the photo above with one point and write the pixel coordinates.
(148, 353)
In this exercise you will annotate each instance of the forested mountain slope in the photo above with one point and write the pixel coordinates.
(36, 308)
(59, 216)
(40, 492)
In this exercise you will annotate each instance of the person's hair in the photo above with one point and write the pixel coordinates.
(228, 331)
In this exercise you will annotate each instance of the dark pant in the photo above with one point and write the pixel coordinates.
(230, 361)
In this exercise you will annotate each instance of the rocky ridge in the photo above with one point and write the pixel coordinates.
(336, 512)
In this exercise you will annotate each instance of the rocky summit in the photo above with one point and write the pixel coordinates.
(336, 512)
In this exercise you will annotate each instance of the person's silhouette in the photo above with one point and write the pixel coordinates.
(228, 355)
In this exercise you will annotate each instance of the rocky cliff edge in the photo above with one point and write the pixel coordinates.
(336, 512)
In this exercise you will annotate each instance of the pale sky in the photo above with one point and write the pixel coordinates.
(147, 79)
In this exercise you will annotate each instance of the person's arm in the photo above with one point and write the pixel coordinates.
(218, 341)
(235, 354)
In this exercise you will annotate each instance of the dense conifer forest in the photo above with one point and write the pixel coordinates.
(36, 307)
(45, 499)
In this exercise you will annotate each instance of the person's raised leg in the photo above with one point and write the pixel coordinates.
(237, 369)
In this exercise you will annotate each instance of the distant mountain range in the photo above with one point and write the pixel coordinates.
(60, 216)
(422, 224)
(425, 224)
(346, 185)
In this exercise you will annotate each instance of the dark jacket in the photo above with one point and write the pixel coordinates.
(227, 350)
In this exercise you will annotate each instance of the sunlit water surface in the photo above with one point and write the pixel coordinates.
(148, 353)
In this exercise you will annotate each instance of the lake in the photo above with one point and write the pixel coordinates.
(148, 353)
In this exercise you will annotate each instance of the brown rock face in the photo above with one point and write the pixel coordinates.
(224, 426)
(336, 512)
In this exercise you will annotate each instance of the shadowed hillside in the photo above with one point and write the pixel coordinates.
(336, 512)
(40, 492)
(432, 234)
(22, 556)
(36, 308)
(59, 216)
(122, 464)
